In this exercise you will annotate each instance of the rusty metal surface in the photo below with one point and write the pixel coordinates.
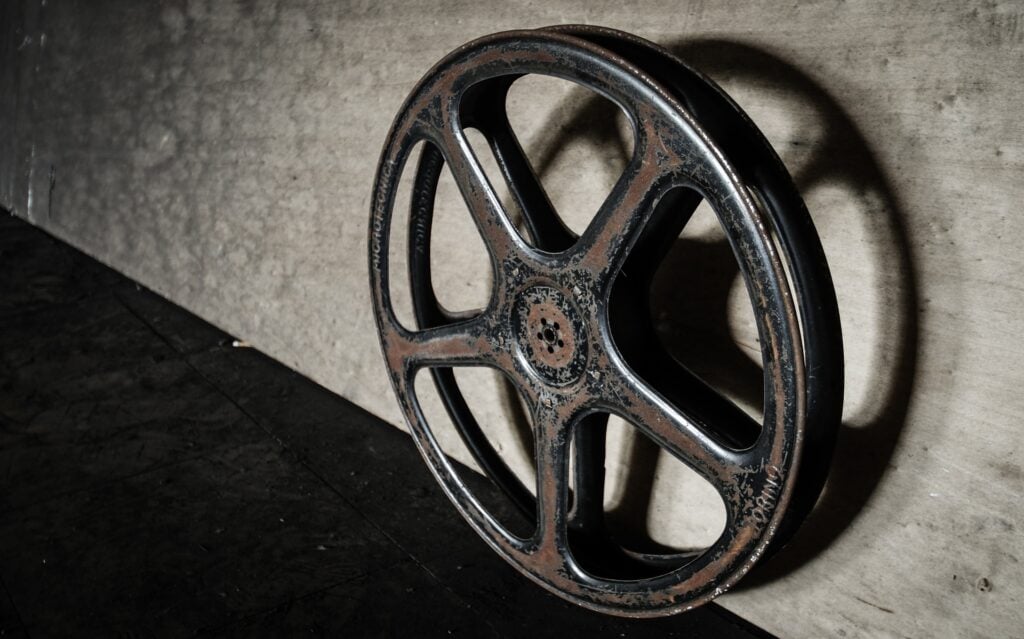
(689, 138)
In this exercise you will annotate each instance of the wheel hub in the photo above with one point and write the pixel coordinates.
(550, 335)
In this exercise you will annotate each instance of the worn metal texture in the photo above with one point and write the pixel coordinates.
(547, 324)
(223, 154)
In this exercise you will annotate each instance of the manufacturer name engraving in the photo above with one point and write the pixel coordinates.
(765, 503)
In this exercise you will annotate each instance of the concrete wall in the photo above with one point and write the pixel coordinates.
(222, 153)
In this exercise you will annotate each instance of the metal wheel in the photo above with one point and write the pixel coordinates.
(567, 321)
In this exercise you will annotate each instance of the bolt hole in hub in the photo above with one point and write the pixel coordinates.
(568, 330)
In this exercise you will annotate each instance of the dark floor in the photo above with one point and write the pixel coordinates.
(158, 481)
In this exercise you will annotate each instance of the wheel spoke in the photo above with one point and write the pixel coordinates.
(657, 238)
(490, 218)
(637, 343)
(624, 213)
(539, 215)
(429, 313)
(472, 342)
(672, 429)
(552, 442)
(702, 403)
(484, 107)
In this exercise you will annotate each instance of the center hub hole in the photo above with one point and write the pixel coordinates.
(549, 336)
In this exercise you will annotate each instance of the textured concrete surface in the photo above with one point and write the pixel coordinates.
(223, 153)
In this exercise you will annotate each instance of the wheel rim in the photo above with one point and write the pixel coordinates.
(570, 374)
